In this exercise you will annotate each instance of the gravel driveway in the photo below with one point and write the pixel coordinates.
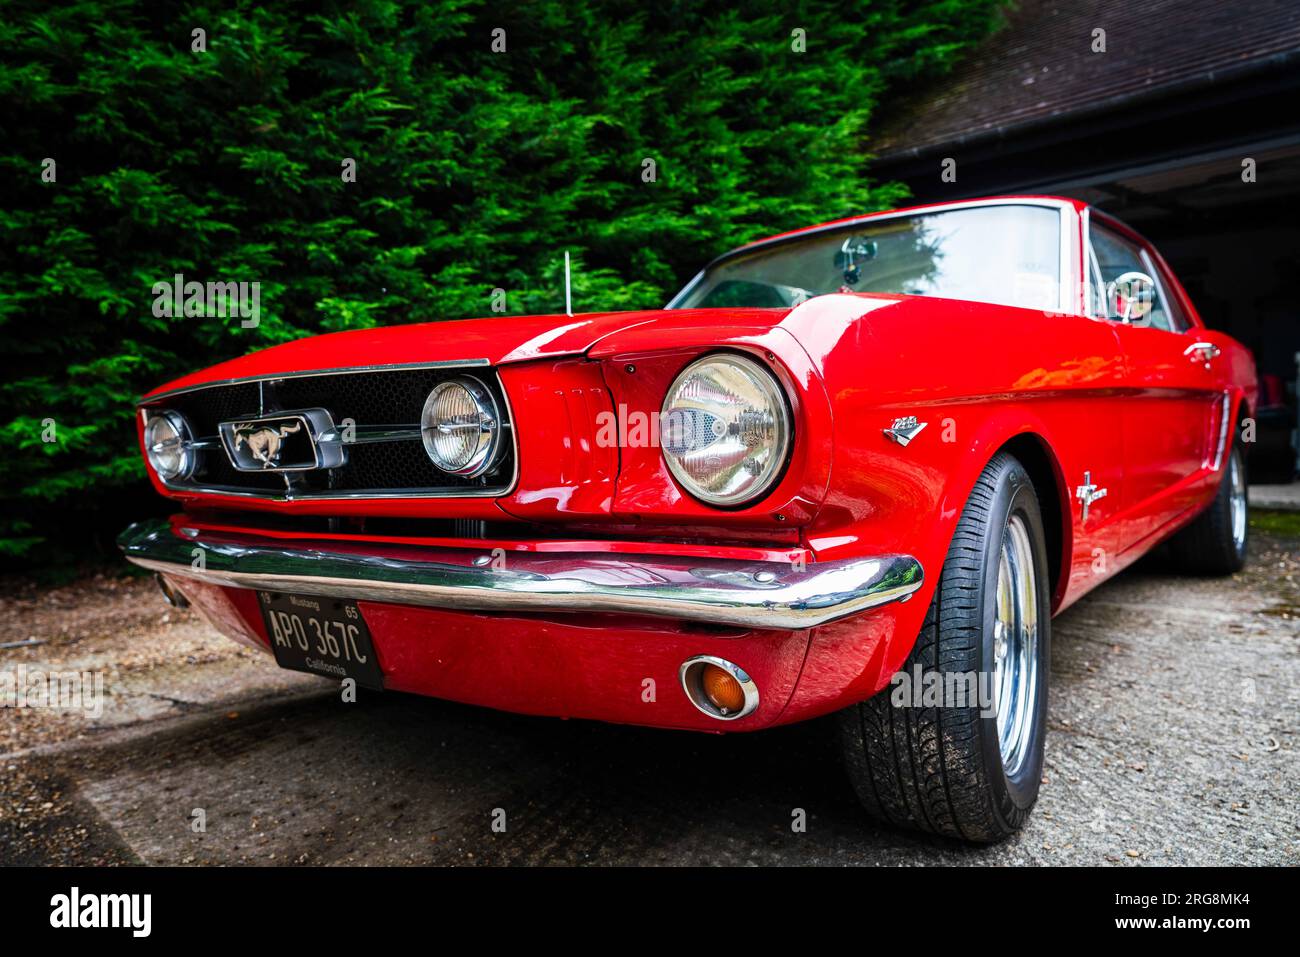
(1173, 739)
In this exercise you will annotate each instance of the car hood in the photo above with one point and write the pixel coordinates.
(495, 342)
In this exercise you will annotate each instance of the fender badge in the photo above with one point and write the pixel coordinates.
(1087, 493)
(904, 430)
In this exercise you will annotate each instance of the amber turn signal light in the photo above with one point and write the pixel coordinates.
(722, 690)
(719, 688)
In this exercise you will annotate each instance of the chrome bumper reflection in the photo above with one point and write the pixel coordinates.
(752, 594)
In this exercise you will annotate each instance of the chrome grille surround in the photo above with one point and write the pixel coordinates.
(385, 459)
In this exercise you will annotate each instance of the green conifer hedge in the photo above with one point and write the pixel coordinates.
(475, 168)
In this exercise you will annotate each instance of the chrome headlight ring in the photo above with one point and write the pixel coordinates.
(461, 426)
(168, 445)
(726, 429)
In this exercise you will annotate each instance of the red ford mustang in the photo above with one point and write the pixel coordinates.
(855, 468)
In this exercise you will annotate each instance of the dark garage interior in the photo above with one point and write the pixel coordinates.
(1190, 134)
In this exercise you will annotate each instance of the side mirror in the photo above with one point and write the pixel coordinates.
(1131, 296)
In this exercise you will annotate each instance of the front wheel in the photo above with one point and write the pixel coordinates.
(962, 754)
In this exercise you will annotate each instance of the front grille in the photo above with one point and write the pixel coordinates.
(391, 399)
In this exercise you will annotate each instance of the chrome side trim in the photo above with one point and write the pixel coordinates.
(1091, 268)
(348, 370)
(694, 281)
(717, 591)
(1223, 431)
(1069, 289)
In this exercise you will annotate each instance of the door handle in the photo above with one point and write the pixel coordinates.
(1202, 352)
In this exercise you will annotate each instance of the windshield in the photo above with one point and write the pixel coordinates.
(1008, 255)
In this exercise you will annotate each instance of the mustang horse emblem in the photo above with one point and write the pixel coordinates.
(264, 441)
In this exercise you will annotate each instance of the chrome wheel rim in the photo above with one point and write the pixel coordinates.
(1237, 476)
(1015, 646)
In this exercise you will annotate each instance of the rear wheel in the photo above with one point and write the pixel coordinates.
(1215, 542)
(965, 764)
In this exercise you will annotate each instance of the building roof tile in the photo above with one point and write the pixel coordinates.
(1041, 67)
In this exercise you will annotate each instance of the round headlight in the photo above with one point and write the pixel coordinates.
(167, 443)
(725, 429)
(460, 427)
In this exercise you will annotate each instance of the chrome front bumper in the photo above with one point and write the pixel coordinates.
(750, 594)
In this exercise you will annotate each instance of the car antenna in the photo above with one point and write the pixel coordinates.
(568, 294)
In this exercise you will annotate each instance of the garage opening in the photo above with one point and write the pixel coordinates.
(1193, 140)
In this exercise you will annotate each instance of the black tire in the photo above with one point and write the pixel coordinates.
(1208, 546)
(940, 769)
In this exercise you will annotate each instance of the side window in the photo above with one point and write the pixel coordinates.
(1178, 321)
(1113, 255)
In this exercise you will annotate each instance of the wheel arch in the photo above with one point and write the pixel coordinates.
(855, 658)
(1034, 452)
(1028, 438)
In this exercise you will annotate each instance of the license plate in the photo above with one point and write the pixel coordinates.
(322, 636)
